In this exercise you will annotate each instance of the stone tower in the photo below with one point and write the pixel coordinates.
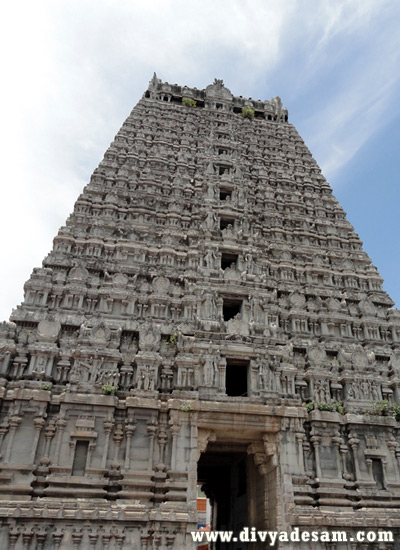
(206, 317)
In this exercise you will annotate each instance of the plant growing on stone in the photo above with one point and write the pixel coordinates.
(321, 406)
(384, 408)
(173, 339)
(247, 112)
(189, 102)
(339, 407)
(396, 411)
(185, 407)
(381, 408)
(108, 389)
(46, 387)
(309, 406)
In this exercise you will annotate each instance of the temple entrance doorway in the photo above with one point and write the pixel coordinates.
(235, 489)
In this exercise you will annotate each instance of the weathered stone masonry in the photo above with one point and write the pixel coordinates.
(209, 274)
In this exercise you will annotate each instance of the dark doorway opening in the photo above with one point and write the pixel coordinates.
(223, 477)
(231, 307)
(224, 222)
(223, 170)
(225, 195)
(228, 260)
(236, 378)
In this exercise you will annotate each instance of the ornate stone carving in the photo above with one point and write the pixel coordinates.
(207, 283)
(48, 330)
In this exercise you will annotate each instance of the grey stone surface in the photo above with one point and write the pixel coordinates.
(206, 285)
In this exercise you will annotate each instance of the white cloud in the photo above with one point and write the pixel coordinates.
(352, 116)
(354, 67)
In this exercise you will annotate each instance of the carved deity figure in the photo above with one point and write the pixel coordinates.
(249, 262)
(211, 364)
(209, 306)
(267, 374)
(146, 380)
(210, 259)
(85, 371)
(211, 220)
(105, 375)
(321, 391)
(41, 364)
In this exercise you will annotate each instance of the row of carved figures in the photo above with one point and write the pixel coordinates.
(258, 314)
(275, 377)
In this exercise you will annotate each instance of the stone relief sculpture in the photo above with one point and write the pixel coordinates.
(207, 297)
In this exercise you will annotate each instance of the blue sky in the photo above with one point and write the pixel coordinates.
(74, 70)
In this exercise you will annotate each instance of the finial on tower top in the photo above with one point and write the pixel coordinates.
(217, 89)
(154, 82)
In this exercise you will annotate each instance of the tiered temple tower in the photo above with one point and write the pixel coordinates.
(206, 286)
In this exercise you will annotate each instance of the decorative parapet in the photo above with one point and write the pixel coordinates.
(216, 97)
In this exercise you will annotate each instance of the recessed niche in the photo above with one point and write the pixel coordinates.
(223, 170)
(231, 307)
(80, 458)
(228, 260)
(224, 222)
(225, 194)
(377, 472)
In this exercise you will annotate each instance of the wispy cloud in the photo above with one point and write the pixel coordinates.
(352, 76)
